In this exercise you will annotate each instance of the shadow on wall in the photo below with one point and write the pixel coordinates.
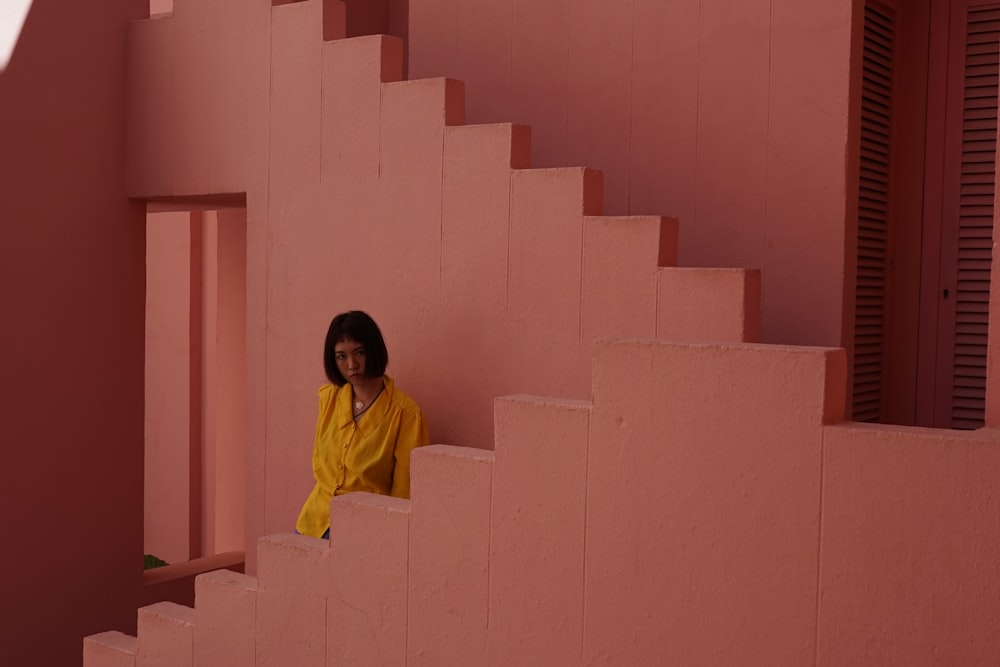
(364, 17)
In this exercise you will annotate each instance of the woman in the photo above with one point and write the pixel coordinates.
(366, 427)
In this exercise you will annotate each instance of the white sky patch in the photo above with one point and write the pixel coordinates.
(12, 15)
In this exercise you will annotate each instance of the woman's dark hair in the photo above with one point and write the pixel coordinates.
(355, 325)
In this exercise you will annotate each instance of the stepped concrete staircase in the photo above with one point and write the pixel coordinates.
(706, 506)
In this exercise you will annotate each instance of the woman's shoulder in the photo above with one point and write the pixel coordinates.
(328, 393)
(401, 399)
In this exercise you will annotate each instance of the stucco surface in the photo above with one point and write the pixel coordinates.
(730, 117)
(224, 619)
(292, 584)
(696, 501)
(699, 525)
(367, 605)
(367, 191)
(71, 359)
(538, 527)
(165, 635)
(909, 518)
(109, 649)
(166, 454)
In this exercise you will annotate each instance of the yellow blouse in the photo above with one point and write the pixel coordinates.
(372, 454)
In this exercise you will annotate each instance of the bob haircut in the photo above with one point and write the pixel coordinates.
(355, 325)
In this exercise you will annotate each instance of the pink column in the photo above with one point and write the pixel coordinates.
(538, 524)
(292, 585)
(367, 606)
(703, 501)
(225, 619)
(109, 649)
(448, 600)
(165, 636)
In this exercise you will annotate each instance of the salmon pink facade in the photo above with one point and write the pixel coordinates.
(696, 297)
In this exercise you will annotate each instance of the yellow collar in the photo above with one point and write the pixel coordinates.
(344, 415)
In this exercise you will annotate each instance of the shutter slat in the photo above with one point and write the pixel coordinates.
(975, 221)
(874, 208)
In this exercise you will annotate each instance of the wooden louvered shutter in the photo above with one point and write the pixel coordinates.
(975, 219)
(873, 212)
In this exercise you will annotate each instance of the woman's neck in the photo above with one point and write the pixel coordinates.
(367, 390)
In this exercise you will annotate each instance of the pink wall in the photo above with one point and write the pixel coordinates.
(167, 460)
(71, 347)
(224, 430)
(456, 247)
(706, 507)
(160, 7)
(910, 521)
(706, 110)
(693, 503)
(180, 149)
(195, 463)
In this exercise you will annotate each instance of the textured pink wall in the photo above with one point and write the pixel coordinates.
(700, 510)
(910, 521)
(167, 489)
(687, 510)
(212, 435)
(71, 344)
(703, 490)
(224, 455)
(160, 7)
(179, 149)
(366, 199)
(706, 110)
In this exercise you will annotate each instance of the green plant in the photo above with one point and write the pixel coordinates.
(149, 561)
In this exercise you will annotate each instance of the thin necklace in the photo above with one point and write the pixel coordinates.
(360, 407)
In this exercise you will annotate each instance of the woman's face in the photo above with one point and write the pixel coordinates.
(350, 357)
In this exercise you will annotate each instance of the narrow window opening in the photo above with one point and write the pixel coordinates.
(195, 420)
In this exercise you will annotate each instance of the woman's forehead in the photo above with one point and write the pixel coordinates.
(346, 344)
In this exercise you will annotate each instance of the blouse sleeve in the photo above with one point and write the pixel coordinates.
(413, 432)
(327, 393)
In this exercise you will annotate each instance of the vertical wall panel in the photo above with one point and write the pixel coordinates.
(293, 187)
(168, 385)
(731, 164)
(802, 239)
(71, 284)
(483, 45)
(431, 37)
(226, 490)
(600, 84)
(664, 119)
(540, 60)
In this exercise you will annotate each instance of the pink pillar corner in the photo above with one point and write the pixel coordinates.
(367, 608)
(537, 547)
(109, 649)
(165, 636)
(225, 619)
(292, 585)
(449, 556)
